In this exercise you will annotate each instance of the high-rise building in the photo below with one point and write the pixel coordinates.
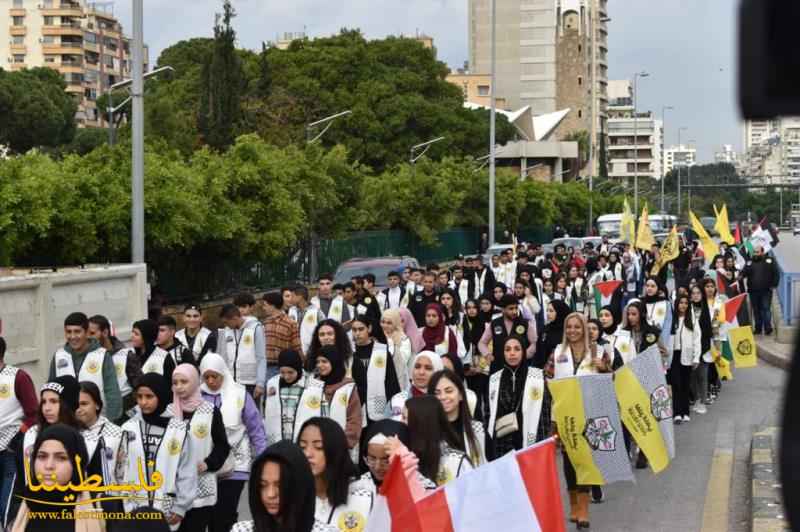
(550, 55)
(727, 155)
(681, 155)
(81, 40)
(635, 143)
(758, 132)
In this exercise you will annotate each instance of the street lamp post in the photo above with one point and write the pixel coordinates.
(636, 77)
(664, 151)
(111, 110)
(492, 123)
(426, 145)
(137, 129)
(327, 120)
(674, 163)
(689, 173)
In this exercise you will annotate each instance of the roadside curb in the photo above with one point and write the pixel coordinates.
(773, 357)
(767, 514)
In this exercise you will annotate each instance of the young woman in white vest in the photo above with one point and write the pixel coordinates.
(194, 336)
(716, 304)
(307, 315)
(379, 382)
(102, 438)
(433, 440)
(207, 440)
(126, 363)
(245, 430)
(449, 388)
(155, 442)
(578, 297)
(243, 346)
(58, 400)
(85, 359)
(281, 493)
(151, 358)
(519, 414)
(657, 303)
(341, 401)
(398, 344)
(612, 333)
(437, 335)
(702, 316)
(577, 356)
(453, 363)
(423, 366)
(454, 319)
(686, 340)
(343, 501)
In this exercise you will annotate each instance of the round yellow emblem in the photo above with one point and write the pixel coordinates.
(623, 347)
(240, 403)
(201, 431)
(380, 362)
(150, 368)
(313, 402)
(536, 394)
(444, 476)
(5, 391)
(174, 447)
(343, 399)
(247, 340)
(367, 300)
(92, 367)
(310, 315)
(120, 369)
(483, 362)
(651, 338)
(351, 522)
(520, 329)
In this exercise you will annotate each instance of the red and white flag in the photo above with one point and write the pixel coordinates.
(519, 492)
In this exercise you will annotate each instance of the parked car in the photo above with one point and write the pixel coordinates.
(594, 240)
(377, 266)
(568, 242)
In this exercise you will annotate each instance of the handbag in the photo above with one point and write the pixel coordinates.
(506, 425)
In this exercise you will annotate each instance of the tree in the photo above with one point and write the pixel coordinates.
(35, 108)
(223, 82)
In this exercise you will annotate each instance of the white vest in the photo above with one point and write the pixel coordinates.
(199, 341)
(477, 456)
(401, 356)
(398, 402)
(657, 313)
(352, 516)
(309, 405)
(111, 436)
(451, 465)
(336, 309)
(91, 370)
(11, 413)
(565, 364)
(622, 342)
(200, 445)
(308, 325)
(167, 458)
(532, 396)
(376, 382)
(120, 359)
(337, 409)
(241, 355)
(155, 362)
(236, 432)
(27, 446)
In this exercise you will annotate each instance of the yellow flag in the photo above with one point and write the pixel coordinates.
(722, 226)
(710, 248)
(723, 366)
(670, 250)
(627, 228)
(644, 238)
(743, 346)
(570, 419)
(636, 410)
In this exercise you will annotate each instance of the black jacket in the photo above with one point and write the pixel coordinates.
(761, 273)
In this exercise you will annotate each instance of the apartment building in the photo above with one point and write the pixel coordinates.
(681, 155)
(82, 40)
(635, 142)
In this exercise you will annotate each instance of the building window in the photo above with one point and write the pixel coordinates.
(580, 113)
(89, 37)
(108, 60)
(18, 39)
(580, 48)
(483, 90)
(49, 59)
(580, 81)
(19, 58)
(48, 39)
(18, 21)
(49, 21)
(18, 3)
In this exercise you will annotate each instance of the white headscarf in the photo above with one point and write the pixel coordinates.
(436, 362)
(231, 411)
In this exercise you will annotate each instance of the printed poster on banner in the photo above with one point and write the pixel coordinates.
(587, 417)
(743, 346)
(646, 407)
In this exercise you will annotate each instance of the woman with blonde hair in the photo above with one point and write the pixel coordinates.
(398, 343)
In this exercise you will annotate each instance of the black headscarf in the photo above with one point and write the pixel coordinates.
(473, 327)
(300, 499)
(149, 331)
(42, 500)
(658, 297)
(291, 359)
(458, 366)
(706, 332)
(553, 332)
(159, 387)
(338, 371)
(387, 427)
(616, 320)
(562, 311)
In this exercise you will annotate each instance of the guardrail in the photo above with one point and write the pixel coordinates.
(789, 294)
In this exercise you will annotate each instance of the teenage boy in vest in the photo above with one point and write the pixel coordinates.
(179, 353)
(510, 323)
(126, 363)
(393, 295)
(242, 344)
(85, 359)
(18, 406)
(246, 304)
(306, 315)
(330, 303)
(420, 300)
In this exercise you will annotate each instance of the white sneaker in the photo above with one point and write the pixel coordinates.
(700, 409)
(686, 419)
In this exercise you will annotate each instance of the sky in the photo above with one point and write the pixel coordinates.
(687, 46)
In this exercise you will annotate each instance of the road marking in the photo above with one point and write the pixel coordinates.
(718, 492)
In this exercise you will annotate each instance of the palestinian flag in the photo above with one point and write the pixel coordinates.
(726, 287)
(607, 293)
(737, 235)
(730, 311)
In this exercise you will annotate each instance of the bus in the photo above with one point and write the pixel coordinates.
(609, 224)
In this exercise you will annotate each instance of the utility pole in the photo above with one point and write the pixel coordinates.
(674, 164)
(664, 152)
(137, 129)
(636, 77)
(492, 124)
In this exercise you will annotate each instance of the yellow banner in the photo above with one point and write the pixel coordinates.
(722, 226)
(627, 227)
(636, 411)
(710, 248)
(570, 419)
(743, 346)
(670, 250)
(723, 366)
(644, 238)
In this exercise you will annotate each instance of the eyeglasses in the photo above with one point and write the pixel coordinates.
(375, 462)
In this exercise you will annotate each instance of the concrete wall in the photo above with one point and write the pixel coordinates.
(33, 308)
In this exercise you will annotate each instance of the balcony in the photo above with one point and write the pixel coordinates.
(17, 30)
(16, 66)
(63, 29)
(17, 12)
(18, 48)
(65, 48)
(66, 9)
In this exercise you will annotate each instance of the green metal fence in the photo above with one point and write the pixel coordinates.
(198, 279)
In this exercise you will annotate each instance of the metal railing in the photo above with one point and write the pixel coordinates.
(789, 294)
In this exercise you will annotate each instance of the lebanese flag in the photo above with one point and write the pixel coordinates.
(519, 492)
(604, 293)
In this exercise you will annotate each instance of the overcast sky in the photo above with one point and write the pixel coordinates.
(687, 46)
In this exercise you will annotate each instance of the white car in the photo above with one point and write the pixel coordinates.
(796, 230)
